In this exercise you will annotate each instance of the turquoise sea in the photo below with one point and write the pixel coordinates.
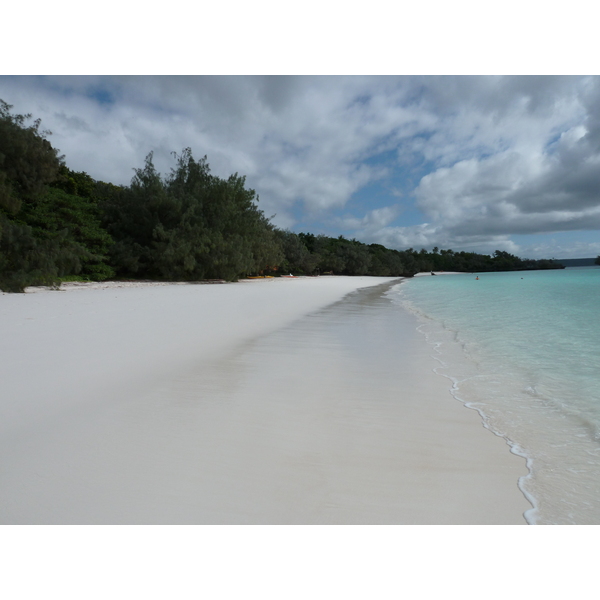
(523, 349)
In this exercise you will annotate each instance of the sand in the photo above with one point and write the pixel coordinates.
(274, 401)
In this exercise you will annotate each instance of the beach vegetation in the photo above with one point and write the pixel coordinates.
(190, 225)
(28, 163)
(57, 225)
(50, 224)
(296, 255)
(27, 159)
(350, 257)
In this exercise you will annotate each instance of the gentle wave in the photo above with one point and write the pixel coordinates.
(521, 349)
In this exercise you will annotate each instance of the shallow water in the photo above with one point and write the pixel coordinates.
(522, 348)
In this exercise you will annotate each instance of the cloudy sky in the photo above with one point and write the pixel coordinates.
(464, 162)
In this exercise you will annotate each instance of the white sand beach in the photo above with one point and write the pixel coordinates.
(275, 401)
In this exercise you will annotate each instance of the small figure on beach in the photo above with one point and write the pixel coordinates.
(432, 273)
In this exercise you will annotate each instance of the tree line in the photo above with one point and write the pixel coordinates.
(59, 225)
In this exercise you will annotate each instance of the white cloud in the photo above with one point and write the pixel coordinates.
(373, 221)
(504, 155)
(553, 248)
(540, 175)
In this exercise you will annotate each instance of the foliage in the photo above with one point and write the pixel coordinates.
(49, 219)
(296, 256)
(190, 225)
(27, 160)
(26, 260)
(76, 221)
(351, 257)
(27, 163)
(385, 262)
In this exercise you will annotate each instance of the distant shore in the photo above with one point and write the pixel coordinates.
(68, 286)
(144, 283)
(264, 401)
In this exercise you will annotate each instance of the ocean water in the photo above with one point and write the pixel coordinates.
(523, 349)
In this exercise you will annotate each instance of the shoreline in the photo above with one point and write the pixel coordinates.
(293, 406)
(506, 347)
(70, 286)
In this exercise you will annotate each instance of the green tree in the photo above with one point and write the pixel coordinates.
(296, 257)
(27, 260)
(28, 163)
(190, 225)
(27, 160)
(74, 222)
